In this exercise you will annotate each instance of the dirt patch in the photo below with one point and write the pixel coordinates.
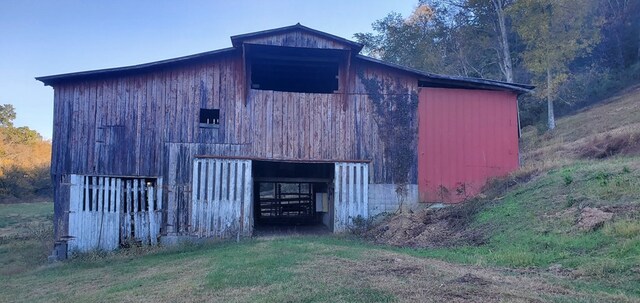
(438, 281)
(471, 279)
(623, 210)
(592, 218)
(610, 144)
(442, 227)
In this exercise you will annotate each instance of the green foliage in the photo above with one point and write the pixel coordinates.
(567, 176)
(439, 37)
(555, 32)
(21, 184)
(7, 115)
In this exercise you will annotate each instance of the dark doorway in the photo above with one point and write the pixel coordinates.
(291, 195)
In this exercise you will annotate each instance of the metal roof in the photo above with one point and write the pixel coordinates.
(53, 79)
(434, 79)
(453, 80)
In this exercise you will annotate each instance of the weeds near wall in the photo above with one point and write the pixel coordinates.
(395, 108)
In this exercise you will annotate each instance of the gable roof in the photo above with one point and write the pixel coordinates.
(237, 41)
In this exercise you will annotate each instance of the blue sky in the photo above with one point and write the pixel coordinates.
(39, 38)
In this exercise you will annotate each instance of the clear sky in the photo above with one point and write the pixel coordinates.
(40, 38)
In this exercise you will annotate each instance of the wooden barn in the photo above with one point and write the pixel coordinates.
(289, 126)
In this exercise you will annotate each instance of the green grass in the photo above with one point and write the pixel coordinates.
(288, 269)
(25, 236)
(12, 215)
(250, 271)
(534, 227)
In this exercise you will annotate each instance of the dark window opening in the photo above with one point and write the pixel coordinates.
(294, 75)
(209, 117)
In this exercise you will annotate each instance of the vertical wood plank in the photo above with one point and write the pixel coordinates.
(358, 189)
(217, 196)
(201, 198)
(338, 198)
(248, 199)
(210, 186)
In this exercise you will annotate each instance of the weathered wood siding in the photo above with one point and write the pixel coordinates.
(147, 125)
(297, 39)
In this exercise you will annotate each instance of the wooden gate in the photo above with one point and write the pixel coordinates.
(222, 196)
(351, 194)
(105, 212)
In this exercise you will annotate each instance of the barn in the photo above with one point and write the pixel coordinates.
(287, 127)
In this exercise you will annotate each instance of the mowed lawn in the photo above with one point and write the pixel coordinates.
(282, 269)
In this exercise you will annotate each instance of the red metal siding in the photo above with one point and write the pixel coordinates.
(465, 138)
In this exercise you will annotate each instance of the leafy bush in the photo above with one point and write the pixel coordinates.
(19, 184)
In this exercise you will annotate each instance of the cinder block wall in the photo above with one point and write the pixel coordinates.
(383, 198)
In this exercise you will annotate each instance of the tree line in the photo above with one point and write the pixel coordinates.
(575, 51)
(24, 161)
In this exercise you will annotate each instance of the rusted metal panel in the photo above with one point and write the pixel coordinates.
(465, 138)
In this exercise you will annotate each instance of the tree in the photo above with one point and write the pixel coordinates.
(7, 115)
(555, 33)
(412, 42)
(507, 65)
(24, 160)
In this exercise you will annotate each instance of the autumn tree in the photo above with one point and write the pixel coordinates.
(24, 161)
(555, 33)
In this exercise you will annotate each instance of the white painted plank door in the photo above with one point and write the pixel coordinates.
(93, 219)
(222, 197)
(351, 194)
(76, 192)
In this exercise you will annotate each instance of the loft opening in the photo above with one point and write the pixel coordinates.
(292, 196)
(209, 117)
(290, 69)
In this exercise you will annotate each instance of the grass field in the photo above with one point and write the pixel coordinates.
(286, 269)
(25, 236)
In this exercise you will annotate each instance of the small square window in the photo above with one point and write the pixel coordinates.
(209, 117)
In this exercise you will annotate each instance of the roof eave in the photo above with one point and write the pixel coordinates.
(500, 85)
(53, 79)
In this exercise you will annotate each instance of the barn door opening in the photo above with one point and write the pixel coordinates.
(292, 197)
(221, 198)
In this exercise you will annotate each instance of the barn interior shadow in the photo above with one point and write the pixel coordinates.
(292, 198)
